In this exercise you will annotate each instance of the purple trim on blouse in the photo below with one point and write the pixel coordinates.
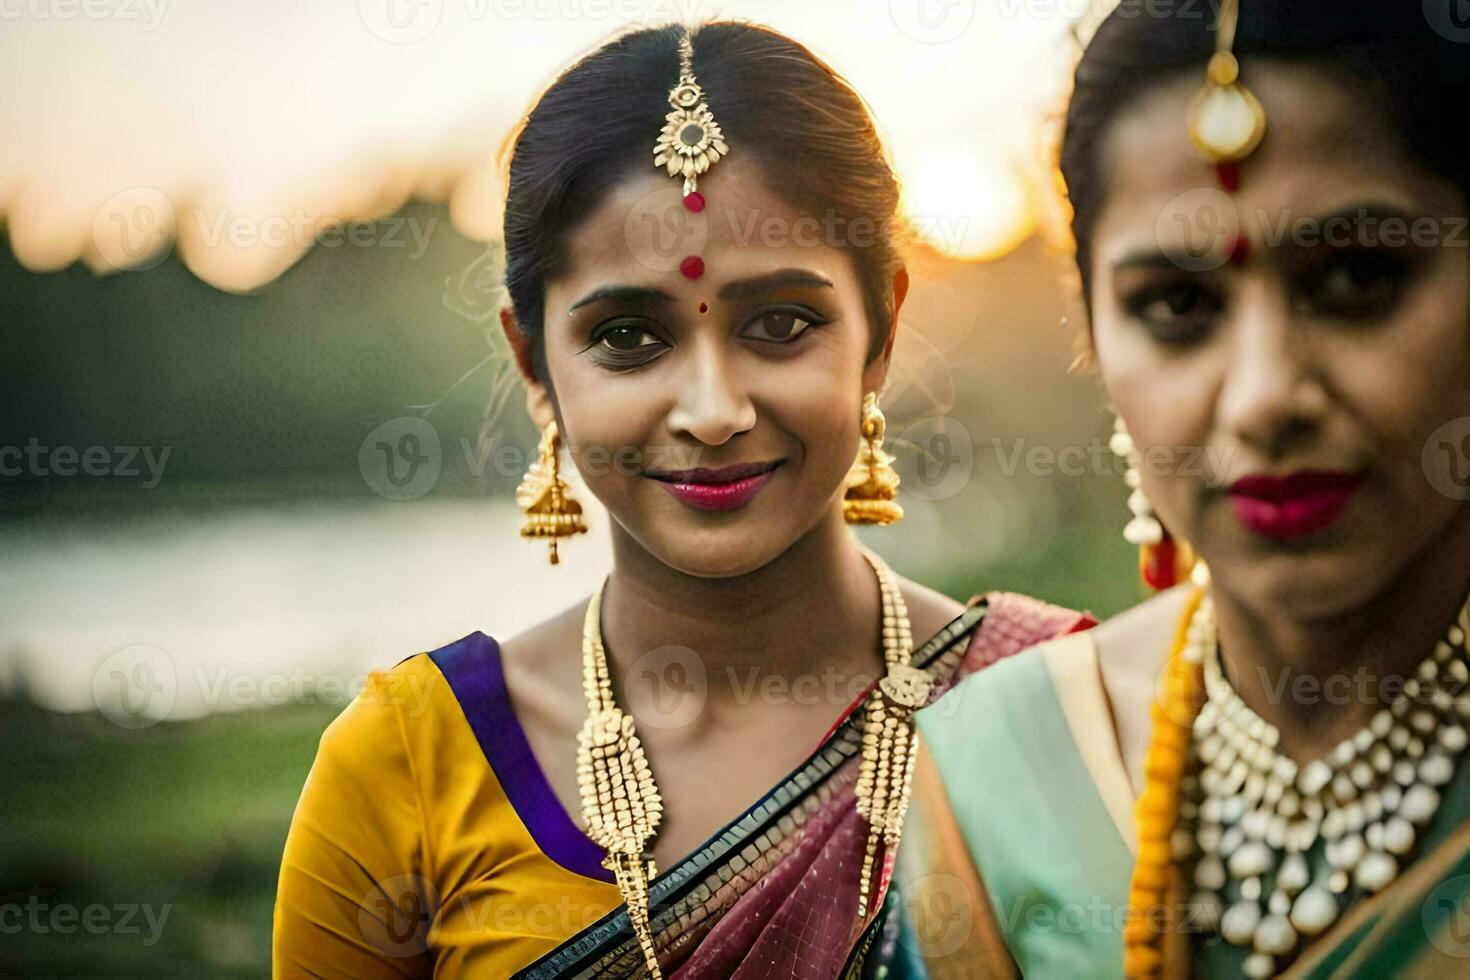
(472, 666)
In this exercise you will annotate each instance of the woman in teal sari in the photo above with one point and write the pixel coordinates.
(702, 769)
(1260, 772)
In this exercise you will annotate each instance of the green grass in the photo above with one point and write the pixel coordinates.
(189, 816)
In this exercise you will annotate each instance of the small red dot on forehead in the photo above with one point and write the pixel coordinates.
(692, 267)
(694, 201)
(704, 307)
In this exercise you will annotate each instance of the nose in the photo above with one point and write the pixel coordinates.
(1274, 393)
(713, 404)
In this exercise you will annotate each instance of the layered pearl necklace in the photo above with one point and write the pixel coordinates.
(621, 804)
(1257, 814)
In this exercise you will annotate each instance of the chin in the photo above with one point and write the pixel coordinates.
(1305, 585)
(738, 547)
(718, 560)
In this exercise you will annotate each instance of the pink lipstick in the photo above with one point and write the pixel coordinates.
(1291, 506)
(726, 488)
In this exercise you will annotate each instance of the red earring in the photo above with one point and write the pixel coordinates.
(1163, 560)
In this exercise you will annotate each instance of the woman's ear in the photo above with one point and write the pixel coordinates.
(520, 344)
(877, 372)
(538, 405)
(538, 401)
(900, 293)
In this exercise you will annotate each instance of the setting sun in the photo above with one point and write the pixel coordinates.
(966, 204)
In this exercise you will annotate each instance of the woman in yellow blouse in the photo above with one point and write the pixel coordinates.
(536, 808)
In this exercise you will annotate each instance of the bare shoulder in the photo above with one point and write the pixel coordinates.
(929, 611)
(542, 665)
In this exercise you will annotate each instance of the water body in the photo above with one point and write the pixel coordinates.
(178, 615)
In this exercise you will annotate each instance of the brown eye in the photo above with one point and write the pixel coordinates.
(1358, 285)
(1170, 304)
(624, 344)
(626, 338)
(1175, 312)
(778, 326)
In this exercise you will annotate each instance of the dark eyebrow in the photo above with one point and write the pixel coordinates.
(1149, 259)
(771, 280)
(1375, 211)
(626, 294)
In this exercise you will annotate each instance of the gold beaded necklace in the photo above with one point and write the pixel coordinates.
(621, 804)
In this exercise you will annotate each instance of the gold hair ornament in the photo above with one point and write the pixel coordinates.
(1226, 120)
(691, 141)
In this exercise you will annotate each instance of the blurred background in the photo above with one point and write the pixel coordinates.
(247, 343)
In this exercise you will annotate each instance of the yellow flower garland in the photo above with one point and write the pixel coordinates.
(1181, 690)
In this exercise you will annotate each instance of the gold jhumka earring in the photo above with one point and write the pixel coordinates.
(551, 512)
(872, 482)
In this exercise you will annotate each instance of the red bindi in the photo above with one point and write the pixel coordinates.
(704, 307)
(692, 267)
(1229, 176)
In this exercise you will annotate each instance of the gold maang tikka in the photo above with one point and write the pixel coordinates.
(691, 141)
(1226, 120)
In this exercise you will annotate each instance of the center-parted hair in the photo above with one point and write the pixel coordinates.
(779, 105)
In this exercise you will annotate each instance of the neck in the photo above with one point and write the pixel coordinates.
(1319, 680)
(813, 611)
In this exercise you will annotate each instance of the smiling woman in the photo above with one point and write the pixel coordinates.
(708, 296)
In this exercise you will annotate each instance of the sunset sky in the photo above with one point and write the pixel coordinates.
(242, 128)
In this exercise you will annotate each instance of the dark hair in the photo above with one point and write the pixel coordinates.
(1408, 69)
(777, 103)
